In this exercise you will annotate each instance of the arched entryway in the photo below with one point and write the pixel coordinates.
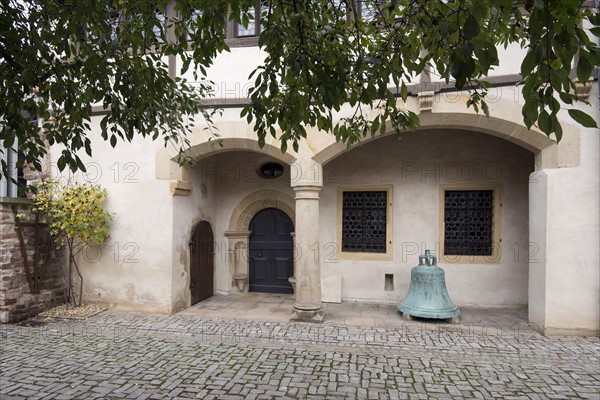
(201, 262)
(271, 252)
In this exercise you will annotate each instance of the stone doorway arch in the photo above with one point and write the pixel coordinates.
(238, 234)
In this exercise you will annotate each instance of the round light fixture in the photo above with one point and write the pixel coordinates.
(271, 170)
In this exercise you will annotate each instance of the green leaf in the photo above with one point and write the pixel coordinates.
(470, 28)
(404, 92)
(583, 118)
(467, 49)
(544, 122)
(375, 125)
(529, 62)
(61, 163)
(186, 65)
(566, 98)
(584, 69)
(556, 63)
(80, 164)
(485, 109)
(507, 4)
(456, 67)
(530, 113)
(558, 132)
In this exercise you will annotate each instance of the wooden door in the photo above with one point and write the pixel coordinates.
(201, 262)
(271, 252)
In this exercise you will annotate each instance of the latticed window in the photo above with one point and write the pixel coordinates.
(366, 9)
(364, 221)
(254, 27)
(468, 222)
(369, 9)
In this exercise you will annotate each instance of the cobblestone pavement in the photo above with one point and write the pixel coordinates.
(119, 355)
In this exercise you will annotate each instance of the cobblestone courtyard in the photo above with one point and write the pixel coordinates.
(116, 355)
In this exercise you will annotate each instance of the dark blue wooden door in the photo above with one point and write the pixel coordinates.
(271, 252)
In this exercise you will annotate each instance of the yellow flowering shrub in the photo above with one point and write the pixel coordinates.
(75, 216)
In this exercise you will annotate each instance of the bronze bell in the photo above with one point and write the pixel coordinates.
(427, 295)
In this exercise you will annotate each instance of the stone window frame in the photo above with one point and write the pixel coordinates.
(351, 255)
(495, 257)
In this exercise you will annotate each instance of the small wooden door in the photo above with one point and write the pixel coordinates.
(271, 252)
(201, 262)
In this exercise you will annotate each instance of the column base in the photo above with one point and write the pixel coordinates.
(307, 313)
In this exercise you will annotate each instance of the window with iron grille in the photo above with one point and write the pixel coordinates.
(364, 221)
(468, 222)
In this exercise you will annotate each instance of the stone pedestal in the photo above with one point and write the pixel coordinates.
(241, 280)
(238, 259)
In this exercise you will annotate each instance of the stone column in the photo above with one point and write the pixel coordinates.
(308, 306)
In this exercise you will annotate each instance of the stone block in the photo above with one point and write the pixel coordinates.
(8, 302)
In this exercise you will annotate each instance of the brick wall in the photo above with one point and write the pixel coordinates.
(17, 299)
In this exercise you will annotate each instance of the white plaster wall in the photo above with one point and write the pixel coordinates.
(230, 71)
(133, 269)
(229, 74)
(568, 224)
(416, 166)
(510, 63)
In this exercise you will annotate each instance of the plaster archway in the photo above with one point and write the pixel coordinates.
(501, 123)
(167, 167)
(205, 149)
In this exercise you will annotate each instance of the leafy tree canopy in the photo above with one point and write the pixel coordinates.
(60, 57)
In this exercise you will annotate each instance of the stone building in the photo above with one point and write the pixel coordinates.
(327, 222)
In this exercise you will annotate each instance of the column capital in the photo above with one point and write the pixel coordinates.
(307, 192)
(306, 172)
